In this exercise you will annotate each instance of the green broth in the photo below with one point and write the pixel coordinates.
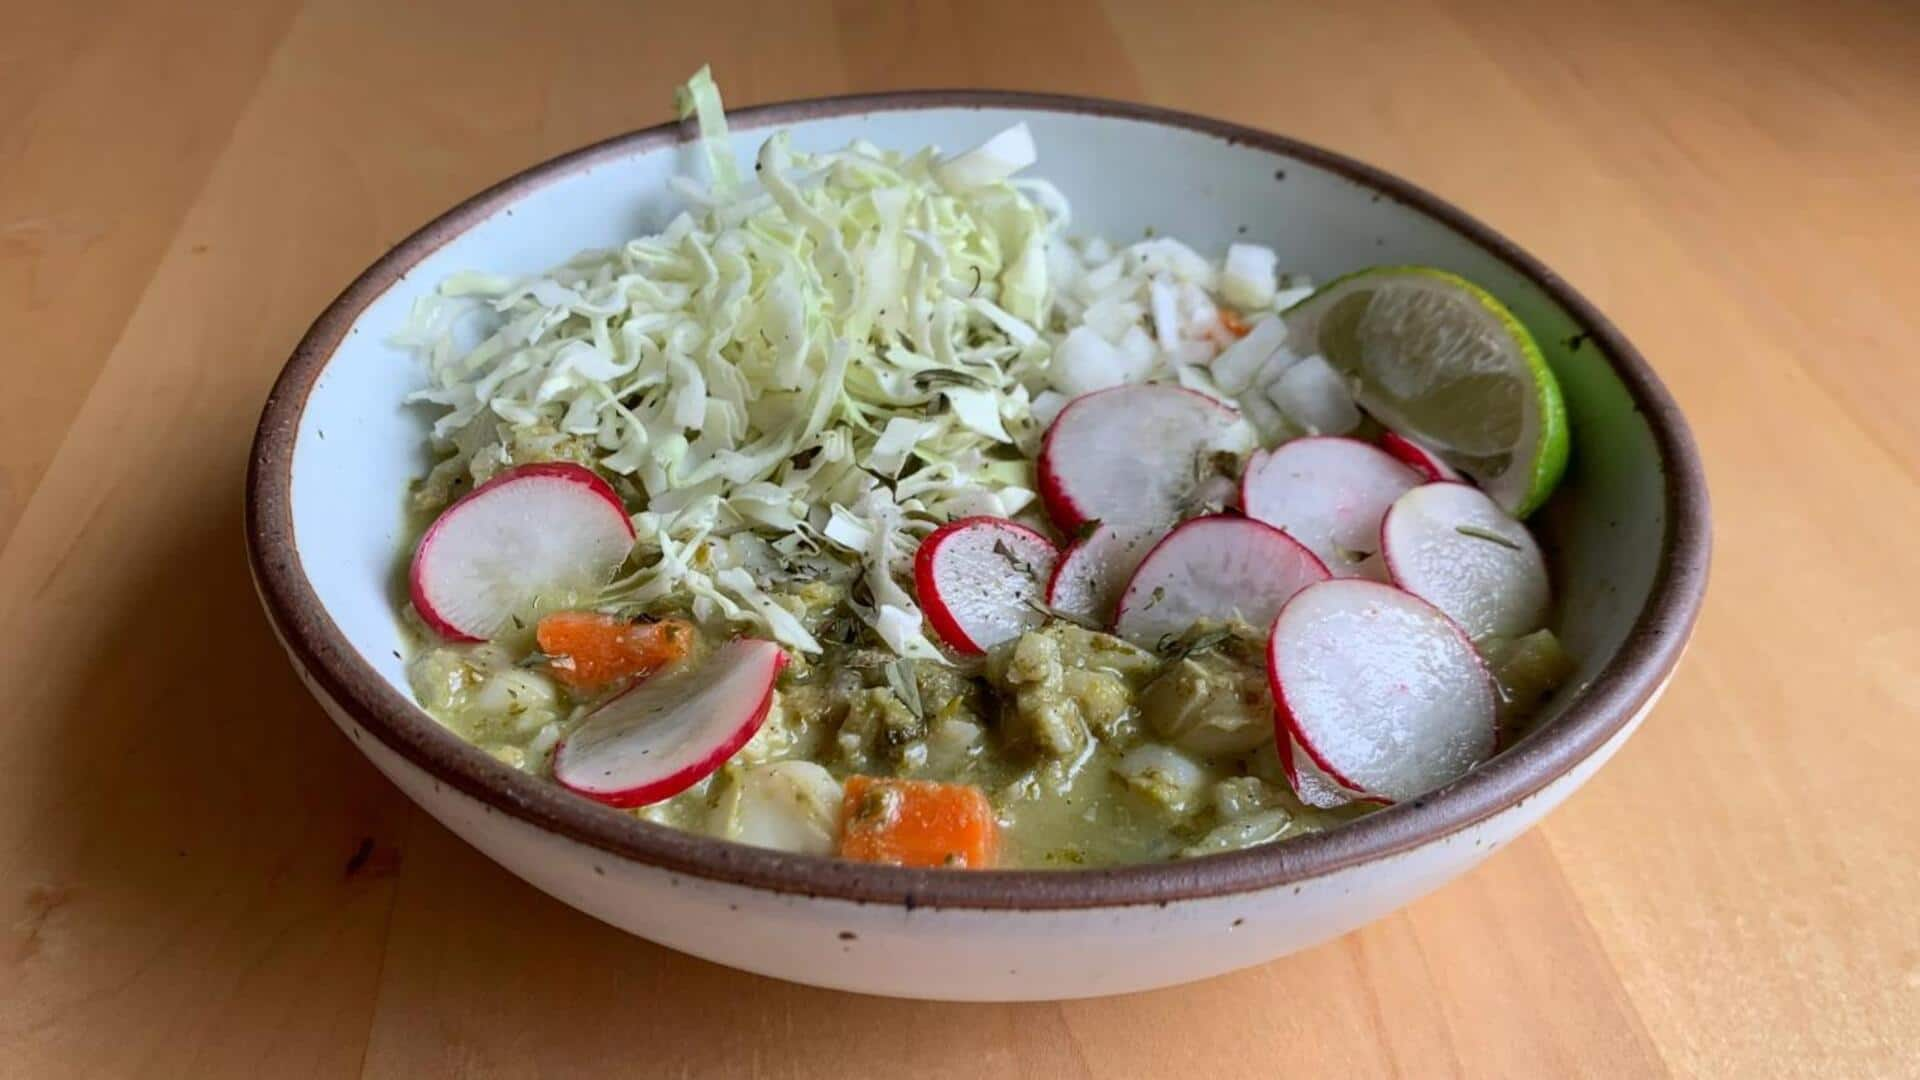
(1062, 791)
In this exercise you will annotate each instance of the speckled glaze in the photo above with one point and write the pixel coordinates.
(1627, 538)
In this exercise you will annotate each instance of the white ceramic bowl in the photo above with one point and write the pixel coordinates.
(1627, 536)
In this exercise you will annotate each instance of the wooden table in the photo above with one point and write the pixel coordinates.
(201, 878)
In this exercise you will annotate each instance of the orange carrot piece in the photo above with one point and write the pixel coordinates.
(917, 823)
(592, 651)
(1234, 324)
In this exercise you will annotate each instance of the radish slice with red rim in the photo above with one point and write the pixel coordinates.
(1310, 785)
(1452, 546)
(982, 581)
(1094, 571)
(1214, 568)
(536, 530)
(672, 731)
(1382, 692)
(1327, 492)
(1134, 455)
(1417, 457)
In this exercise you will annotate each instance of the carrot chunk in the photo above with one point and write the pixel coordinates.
(591, 651)
(917, 823)
(1234, 324)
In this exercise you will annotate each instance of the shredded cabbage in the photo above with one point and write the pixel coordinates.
(807, 370)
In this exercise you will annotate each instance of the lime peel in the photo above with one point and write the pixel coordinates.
(1441, 360)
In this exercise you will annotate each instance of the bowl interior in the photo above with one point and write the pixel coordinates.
(357, 447)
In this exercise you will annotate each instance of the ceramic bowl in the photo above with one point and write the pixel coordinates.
(1627, 536)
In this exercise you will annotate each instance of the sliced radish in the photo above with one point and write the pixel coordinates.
(1091, 575)
(1417, 457)
(1383, 693)
(1329, 493)
(668, 733)
(534, 530)
(1310, 785)
(1133, 455)
(981, 580)
(1452, 546)
(1214, 568)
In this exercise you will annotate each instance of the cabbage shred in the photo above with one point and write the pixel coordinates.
(817, 364)
(798, 378)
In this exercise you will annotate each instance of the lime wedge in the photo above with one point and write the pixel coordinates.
(1438, 359)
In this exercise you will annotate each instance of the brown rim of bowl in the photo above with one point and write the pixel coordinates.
(1645, 658)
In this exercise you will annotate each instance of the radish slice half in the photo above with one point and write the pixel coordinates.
(1310, 785)
(1093, 573)
(981, 581)
(1133, 455)
(1382, 692)
(1329, 493)
(1214, 568)
(1452, 546)
(668, 733)
(1417, 457)
(535, 530)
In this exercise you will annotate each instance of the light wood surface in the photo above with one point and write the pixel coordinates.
(199, 877)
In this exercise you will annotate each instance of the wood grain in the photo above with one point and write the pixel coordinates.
(199, 878)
